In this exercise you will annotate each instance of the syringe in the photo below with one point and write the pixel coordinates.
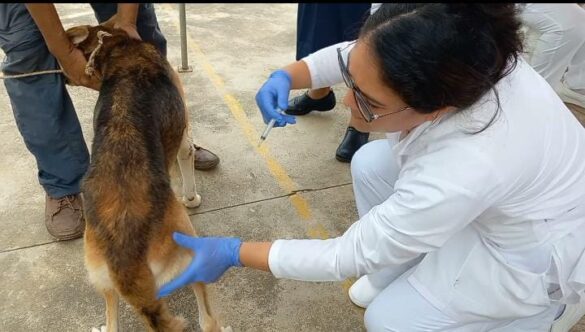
(268, 128)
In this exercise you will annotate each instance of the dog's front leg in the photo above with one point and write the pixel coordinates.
(111, 298)
(186, 159)
(111, 310)
(206, 321)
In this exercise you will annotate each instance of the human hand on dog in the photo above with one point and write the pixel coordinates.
(129, 28)
(213, 256)
(70, 58)
(125, 19)
(73, 64)
(273, 94)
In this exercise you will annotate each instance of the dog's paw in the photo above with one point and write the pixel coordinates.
(192, 202)
(226, 329)
(101, 329)
(177, 323)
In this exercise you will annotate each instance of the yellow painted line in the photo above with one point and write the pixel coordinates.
(278, 172)
(315, 230)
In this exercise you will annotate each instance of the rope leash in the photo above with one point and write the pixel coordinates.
(89, 67)
(42, 72)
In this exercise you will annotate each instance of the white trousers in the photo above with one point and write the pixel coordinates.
(560, 49)
(400, 307)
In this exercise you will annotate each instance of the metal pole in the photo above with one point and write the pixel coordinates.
(184, 58)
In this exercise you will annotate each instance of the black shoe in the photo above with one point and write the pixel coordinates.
(352, 142)
(304, 104)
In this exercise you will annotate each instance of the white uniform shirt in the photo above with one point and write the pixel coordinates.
(486, 209)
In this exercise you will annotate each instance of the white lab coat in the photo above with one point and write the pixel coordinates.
(558, 51)
(520, 185)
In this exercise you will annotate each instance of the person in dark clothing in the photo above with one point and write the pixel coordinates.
(33, 39)
(320, 25)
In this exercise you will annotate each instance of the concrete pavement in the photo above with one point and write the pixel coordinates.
(290, 188)
(233, 49)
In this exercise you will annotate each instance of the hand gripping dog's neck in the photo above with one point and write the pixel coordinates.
(89, 67)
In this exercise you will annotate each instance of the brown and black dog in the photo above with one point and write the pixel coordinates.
(140, 126)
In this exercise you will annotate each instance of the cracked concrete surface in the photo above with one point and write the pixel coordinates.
(44, 284)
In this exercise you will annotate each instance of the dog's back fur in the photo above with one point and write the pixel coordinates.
(130, 208)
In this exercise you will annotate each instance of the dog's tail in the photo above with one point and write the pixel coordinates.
(137, 286)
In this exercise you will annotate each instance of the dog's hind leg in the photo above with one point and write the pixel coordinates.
(206, 321)
(186, 159)
(137, 287)
(186, 155)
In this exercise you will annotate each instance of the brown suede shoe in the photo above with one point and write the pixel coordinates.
(205, 159)
(64, 217)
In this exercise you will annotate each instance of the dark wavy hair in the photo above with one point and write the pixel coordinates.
(438, 55)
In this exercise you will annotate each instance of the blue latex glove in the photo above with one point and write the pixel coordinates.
(273, 94)
(213, 256)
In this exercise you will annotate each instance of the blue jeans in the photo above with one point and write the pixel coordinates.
(42, 107)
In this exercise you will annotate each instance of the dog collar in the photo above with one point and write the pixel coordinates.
(89, 67)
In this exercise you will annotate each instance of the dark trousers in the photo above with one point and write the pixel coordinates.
(42, 107)
(146, 22)
(323, 24)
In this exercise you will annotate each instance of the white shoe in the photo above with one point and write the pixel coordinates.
(569, 96)
(362, 292)
(570, 316)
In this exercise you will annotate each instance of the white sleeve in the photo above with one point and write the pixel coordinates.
(374, 8)
(422, 214)
(324, 66)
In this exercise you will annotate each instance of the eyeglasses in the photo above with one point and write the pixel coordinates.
(361, 101)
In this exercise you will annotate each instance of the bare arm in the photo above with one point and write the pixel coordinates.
(46, 17)
(255, 255)
(299, 72)
(70, 58)
(128, 12)
(126, 16)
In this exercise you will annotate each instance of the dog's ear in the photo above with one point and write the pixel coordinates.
(78, 34)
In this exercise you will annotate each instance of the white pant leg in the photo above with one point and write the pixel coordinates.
(374, 172)
(400, 307)
(562, 41)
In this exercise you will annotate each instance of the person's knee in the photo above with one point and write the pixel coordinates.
(373, 318)
(382, 316)
(377, 318)
(360, 164)
(373, 160)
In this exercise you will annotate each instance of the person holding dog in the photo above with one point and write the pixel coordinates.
(33, 39)
(471, 212)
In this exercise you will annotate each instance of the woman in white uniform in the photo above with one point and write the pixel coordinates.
(472, 211)
(559, 51)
